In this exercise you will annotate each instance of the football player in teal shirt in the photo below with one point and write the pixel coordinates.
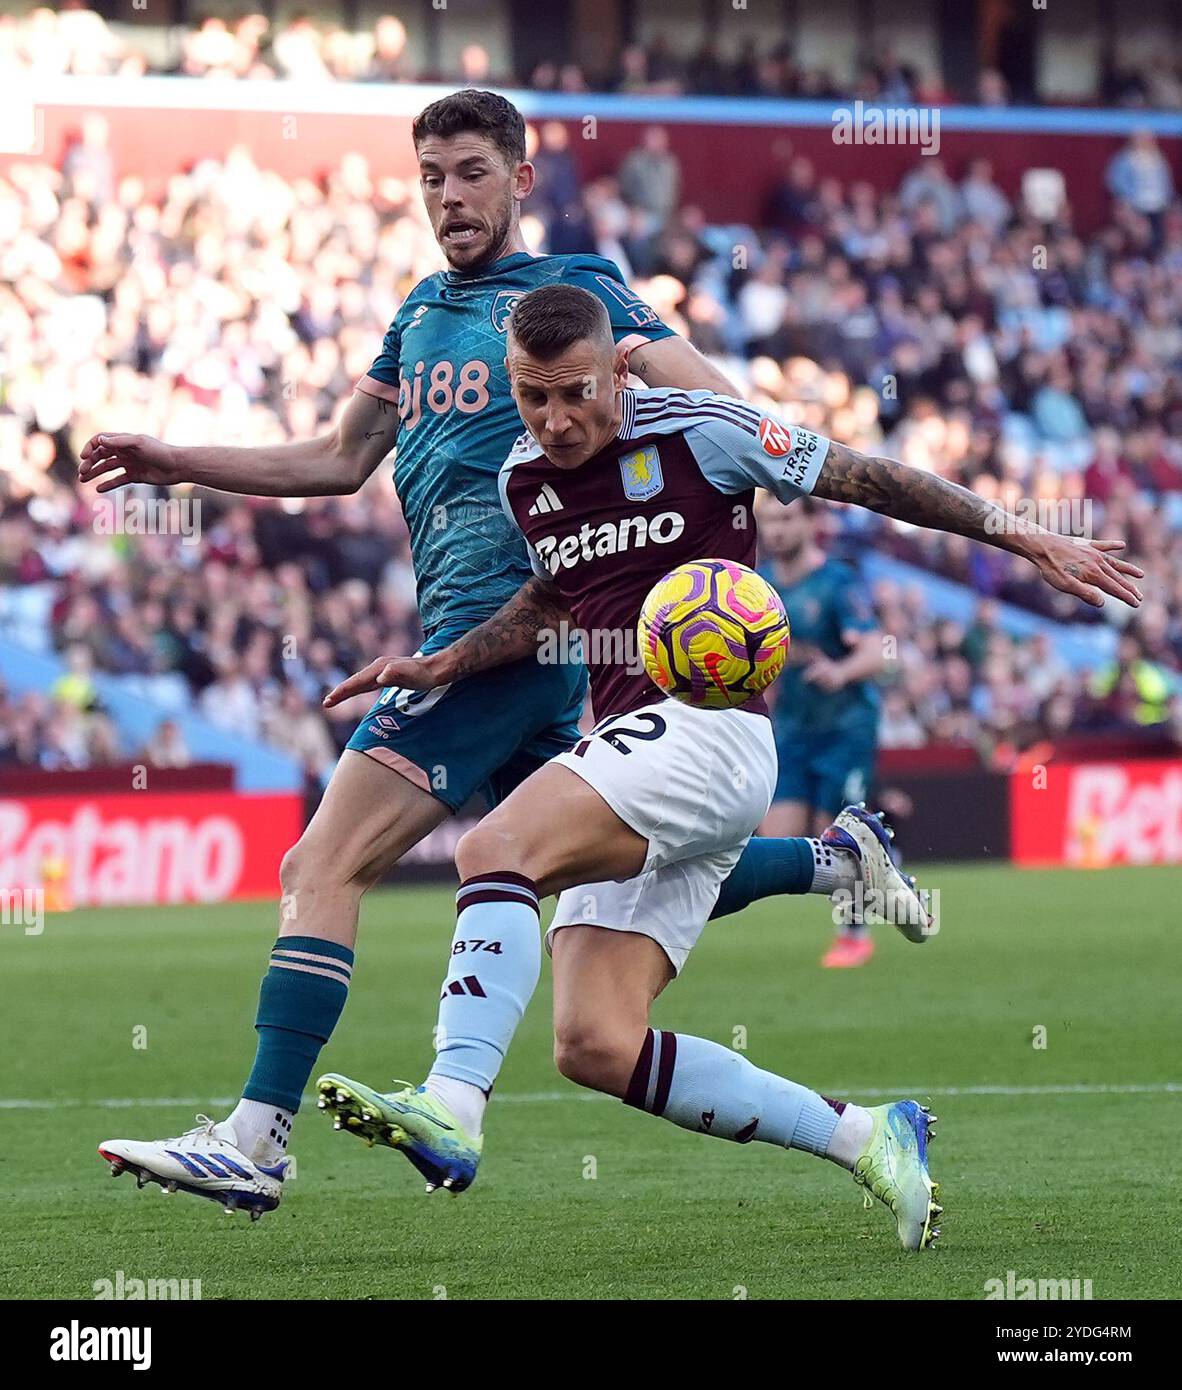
(438, 390)
(825, 704)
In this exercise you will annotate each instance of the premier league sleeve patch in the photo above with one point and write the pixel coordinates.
(641, 472)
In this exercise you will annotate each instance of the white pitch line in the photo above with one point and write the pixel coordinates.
(1153, 1088)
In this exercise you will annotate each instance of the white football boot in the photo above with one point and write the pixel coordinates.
(205, 1161)
(886, 893)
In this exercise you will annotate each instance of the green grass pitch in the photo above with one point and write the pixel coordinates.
(1056, 1162)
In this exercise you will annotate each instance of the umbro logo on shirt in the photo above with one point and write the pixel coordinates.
(547, 502)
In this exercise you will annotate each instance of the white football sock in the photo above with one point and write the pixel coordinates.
(854, 1128)
(834, 869)
(465, 1101)
(262, 1131)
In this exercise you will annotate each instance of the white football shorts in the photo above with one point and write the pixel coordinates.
(695, 783)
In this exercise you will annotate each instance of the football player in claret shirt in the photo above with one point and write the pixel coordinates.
(437, 393)
(637, 826)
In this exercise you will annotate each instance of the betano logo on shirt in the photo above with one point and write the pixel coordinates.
(591, 542)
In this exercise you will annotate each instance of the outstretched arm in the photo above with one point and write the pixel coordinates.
(509, 635)
(333, 463)
(1087, 569)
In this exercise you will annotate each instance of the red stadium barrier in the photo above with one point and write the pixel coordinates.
(1091, 815)
(146, 847)
(115, 777)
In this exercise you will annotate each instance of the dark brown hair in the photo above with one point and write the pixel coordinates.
(547, 321)
(476, 111)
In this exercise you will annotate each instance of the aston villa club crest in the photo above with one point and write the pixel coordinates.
(641, 472)
(502, 307)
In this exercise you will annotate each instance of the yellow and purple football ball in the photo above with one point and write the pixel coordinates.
(713, 634)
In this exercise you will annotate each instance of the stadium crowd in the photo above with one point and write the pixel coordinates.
(78, 40)
(75, 39)
(239, 308)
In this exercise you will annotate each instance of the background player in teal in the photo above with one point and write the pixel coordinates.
(825, 705)
(438, 390)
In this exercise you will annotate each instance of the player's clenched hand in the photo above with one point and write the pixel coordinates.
(407, 672)
(141, 458)
(1087, 569)
(825, 673)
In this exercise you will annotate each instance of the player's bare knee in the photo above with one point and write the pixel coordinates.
(594, 1057)
(291, 870)
(490, 846)
(307, 870)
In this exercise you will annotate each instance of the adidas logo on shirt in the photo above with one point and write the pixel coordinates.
(547, 502)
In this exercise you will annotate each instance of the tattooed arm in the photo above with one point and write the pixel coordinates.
(676, 362)
(1087, 569)
(333, 463)
(509, 635)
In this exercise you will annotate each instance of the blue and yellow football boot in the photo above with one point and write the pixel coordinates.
(410, 1120)
(894, 1168)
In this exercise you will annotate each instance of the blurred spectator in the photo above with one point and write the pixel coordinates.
(650, 177)
(475, 65)
(230, 701)
(166, 748)
(556, 194)
(295, 728)
(897, 726)
(929, 183)
(1140, 175)
(76, 687)
(983, 201)
(1132, 692)
(214, 50)
(992, 89)
(298, 50)
(389, 63)
(88, 163)
(707, 72)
